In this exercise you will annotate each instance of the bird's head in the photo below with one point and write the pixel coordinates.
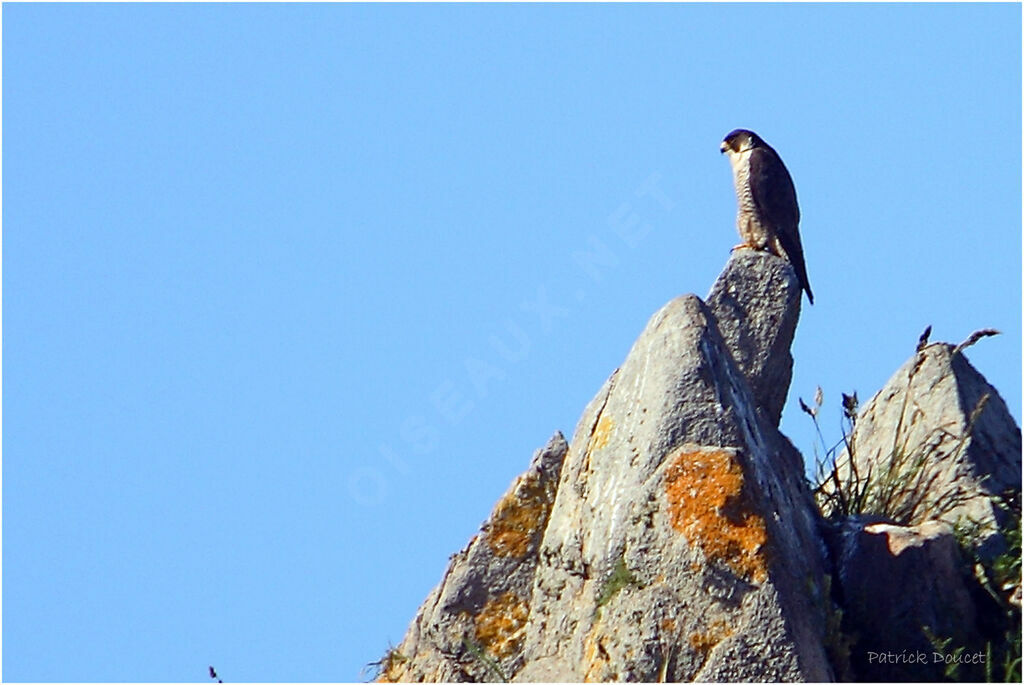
(740, 141)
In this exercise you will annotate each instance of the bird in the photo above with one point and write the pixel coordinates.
(768, 213)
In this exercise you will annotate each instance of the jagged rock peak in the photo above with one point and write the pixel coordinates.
(919, 506)
(939, 444)
(483, 599)
(680, 543)
(756, 302)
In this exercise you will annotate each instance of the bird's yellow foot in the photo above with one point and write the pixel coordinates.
(745, 246)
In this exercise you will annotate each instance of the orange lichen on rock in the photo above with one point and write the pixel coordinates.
(519, 516)
(596, 659)
(703, 643)
(602, 432)
(501, 623)
(599, 437)
(708, 504)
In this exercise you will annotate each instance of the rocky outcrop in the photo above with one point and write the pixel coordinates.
(935, 457)
(681, 541)
(937, 443)
(678, 548)
(901, 588)
(757, 309)
(676, 539)
(472, 626)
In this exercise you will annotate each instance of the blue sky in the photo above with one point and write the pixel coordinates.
(292, 292)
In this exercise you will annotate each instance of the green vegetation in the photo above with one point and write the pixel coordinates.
(489, 663)
(381, 669)
(1000, 581)
(838, 642)
(619, 578)
(900, 488)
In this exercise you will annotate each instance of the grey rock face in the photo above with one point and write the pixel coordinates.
(483, 599)
(938, 442)
(933, 450)
(678, 547)
(756, 302)
(681, 541)
(895, 582)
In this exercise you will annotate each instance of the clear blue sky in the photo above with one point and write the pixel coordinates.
(292, 292)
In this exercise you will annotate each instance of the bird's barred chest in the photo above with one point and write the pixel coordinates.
(748, 224)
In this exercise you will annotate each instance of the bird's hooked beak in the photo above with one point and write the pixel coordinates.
(723, 147)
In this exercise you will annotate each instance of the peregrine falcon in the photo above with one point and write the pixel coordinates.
(768, 213)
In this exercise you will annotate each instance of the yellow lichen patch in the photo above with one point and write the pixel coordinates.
(668, 625)
(500, 625)
(703, 643)
(596, 659)
(707, 503)
(519, 516)
(598, 438)
(393, 674)
(393, 667)
(602, 432)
